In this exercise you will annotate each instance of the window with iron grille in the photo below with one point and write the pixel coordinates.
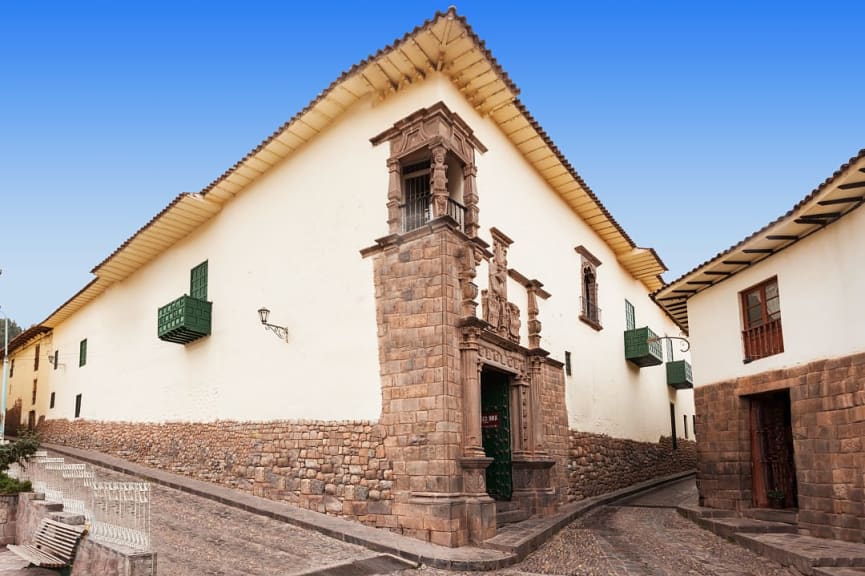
(51, 405)
(417, 196)
(567, 363)
(36, 359)
(56, 358)
(33, 401)
(761, 320)
(82, 352)
(590, 312)
(12, 368)
(78, 405)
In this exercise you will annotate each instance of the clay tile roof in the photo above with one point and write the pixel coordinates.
(837, 196)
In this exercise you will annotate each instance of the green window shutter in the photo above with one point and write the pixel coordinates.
(82, 353)
(198, 281)
(630, 319)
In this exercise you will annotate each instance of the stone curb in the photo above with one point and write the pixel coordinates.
(510, 546)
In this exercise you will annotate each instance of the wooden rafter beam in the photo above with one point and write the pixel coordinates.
(852, 185)
(845, 200)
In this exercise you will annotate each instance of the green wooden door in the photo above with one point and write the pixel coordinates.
(496, 427)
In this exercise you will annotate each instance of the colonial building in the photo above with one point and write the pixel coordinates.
(780, 392)
(456, 318)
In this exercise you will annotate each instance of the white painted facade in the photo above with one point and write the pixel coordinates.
(291, 241)
(25, 375)
(820, 283)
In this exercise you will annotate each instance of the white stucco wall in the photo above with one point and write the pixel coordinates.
(605, 393)
(820, 285)
(291, 242)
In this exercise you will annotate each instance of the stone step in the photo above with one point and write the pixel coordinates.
(511, 516)
(806, 553)
(506, 505)
(832, 571)
(693, 513)
(727, 527)
(789, 516)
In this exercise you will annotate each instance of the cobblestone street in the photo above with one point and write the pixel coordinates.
(629, 541)
(643, 537)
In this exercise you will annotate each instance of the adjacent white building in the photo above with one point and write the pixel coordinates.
(780, 391)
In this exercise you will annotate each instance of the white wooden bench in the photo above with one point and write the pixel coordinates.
(53, 545)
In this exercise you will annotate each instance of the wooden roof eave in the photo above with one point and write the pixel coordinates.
(826, 204)
(445, 43)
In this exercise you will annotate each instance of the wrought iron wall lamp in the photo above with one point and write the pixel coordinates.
(280, 331)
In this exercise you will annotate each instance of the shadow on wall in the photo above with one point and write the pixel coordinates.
(13, 419)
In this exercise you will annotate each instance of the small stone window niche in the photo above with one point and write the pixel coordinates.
(431, 170)
(590, 312)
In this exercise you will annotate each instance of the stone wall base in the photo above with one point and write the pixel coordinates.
(533, 486)
(335, 468)
(341, 469)
(598, 463)
(448, 519)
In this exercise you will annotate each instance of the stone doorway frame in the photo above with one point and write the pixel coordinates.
(767, 474)
(531, 464)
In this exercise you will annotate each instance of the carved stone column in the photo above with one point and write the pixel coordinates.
(471, 372)
(470, 199)
(394, 195)
(469, 290)
(521, 418)
(534, 324)
(538, 442)
(439, 182)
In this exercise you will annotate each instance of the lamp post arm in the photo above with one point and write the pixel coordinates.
(685, 344)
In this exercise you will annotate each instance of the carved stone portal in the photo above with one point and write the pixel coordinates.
(502, 316)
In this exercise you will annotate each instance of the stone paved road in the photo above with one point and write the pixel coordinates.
(195, 536)
(642, 537)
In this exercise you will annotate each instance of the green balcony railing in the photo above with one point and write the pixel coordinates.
(184, 320)
(639, 350)
(679, 375)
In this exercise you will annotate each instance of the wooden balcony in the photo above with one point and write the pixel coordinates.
(184, 320)
(763, 340)
(679, 375)
(640, 351)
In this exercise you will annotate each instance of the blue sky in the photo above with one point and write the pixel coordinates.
(695, 122)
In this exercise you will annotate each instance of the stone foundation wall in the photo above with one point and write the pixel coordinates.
(598, 463)
(336, 468)
(556, 433)
(827, 408)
